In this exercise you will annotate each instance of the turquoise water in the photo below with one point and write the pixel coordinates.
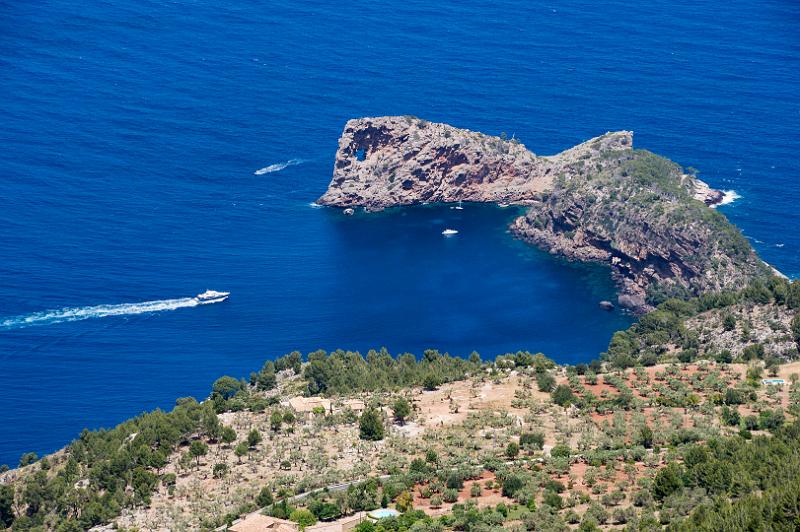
(132, 132)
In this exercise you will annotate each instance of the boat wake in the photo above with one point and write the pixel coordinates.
(50, 317)
(277, 167)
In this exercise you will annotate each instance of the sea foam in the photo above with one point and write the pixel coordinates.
(50, 317)
(277, 167)
(728, 196)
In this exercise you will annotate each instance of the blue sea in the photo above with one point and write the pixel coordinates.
(132, 131)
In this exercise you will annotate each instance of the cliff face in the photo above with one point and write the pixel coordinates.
(599, 201)
(389, 161)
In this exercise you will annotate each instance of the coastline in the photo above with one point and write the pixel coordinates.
(603, 201)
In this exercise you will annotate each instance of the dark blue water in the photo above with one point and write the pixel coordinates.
(131, 131)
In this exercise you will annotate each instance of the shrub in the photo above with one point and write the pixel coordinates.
(254, 438)
(649, 359)
(552, 499)
(264, 497)
(225, 387)
(531, 440)
(770, 419)
(734, 397)
(545, 382)
(404, 502)
(455, 481)
(645, 437)
(729, 322)
(220, 470)
(370, 426)
(303, 517)
(724, 357)
(401, 409)
(563, 395)
(597, 513)
(687, 355)
(750, 423)
(668, 481)
(753, 352)
(28, 459)
(512, 450)
(511, 485)
(560, 451)
(555, 486)
(450, 495)
(431, 382)
(730, 416)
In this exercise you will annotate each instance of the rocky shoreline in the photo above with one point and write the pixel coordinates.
(600, 201)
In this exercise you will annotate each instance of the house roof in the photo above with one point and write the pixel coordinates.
(355, 404)
(308, 404)
(257, 522)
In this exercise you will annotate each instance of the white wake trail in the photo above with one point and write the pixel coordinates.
(277, 167)
(49, 317)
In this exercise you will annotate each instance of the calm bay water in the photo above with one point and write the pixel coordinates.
(132, 131)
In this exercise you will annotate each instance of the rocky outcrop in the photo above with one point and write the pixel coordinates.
(395, 160)
(600, 201)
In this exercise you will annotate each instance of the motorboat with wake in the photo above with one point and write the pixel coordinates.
(211, 296)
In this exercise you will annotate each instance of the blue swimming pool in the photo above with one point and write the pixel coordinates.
(383, 513)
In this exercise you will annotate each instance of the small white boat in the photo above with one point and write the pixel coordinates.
(448, 232)
(211, 296)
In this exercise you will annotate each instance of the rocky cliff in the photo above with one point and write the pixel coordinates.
(599, 201)
(389, 161)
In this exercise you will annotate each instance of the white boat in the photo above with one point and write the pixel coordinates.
(448, 232)
(211, 296)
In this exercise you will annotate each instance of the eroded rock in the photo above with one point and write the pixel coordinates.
(599, 201)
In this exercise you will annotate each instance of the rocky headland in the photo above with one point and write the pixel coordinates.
(600, 201)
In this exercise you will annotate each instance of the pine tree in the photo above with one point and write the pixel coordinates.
(370, 425)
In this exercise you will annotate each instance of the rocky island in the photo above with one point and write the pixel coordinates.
(601, 201)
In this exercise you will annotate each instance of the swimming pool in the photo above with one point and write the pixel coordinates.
(382, 513)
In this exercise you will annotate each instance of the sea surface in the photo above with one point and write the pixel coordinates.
(150, 150)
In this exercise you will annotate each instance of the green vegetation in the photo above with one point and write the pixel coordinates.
(370, 426)
(752, 485)
(401, 409)
(796, 330)
(343, 372)
(303, 517)
(121, 467)
(640, 209)
(665, 327)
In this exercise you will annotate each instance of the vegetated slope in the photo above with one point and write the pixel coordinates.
(758, 322)
(518, 441)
